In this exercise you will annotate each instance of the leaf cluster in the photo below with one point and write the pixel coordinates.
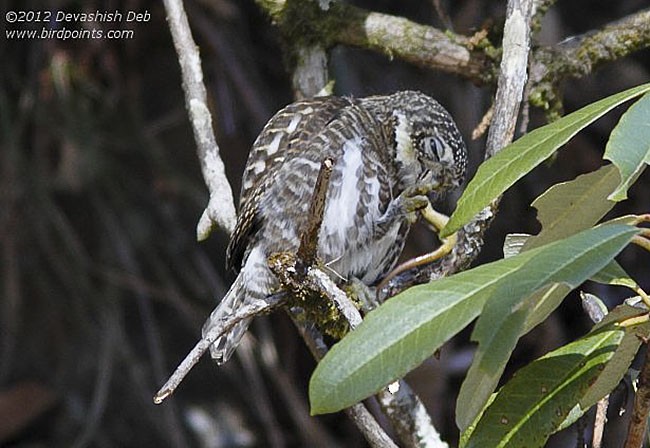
(509, 297)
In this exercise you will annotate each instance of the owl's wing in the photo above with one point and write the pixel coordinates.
(276, 144)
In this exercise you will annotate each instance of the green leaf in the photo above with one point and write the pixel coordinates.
(542, 305)
(407, 329)
(629, 145)
(614, 274)
(620, 362)
(491, 357)
(535, 402)
(500, 172)
(503, 321)
(611, 274)
(613, 371)
(569, 207)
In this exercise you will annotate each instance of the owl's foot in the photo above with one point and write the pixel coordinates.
(437, 221)
(415, 198)
(411, 200)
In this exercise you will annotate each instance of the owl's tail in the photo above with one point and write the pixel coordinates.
(233, 302)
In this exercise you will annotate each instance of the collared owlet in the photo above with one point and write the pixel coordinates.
(389, 151)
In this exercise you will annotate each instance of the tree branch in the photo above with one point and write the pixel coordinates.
(341, 23)
(221, 206)
(578, 56)
(638, 423)
(221, 327)
(471, 57)
(511, 83)
(300, 276)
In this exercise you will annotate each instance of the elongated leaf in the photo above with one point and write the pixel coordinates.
(616, 367)
(569, 207)
(614, 274)
(513, 162)
(563, 210)
(407, 329)
(611, 274)
(613, 372)
(491, 358)
(502, 322)
(535, 402)
(629, 145)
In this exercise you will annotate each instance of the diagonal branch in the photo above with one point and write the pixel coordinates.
(305, 24)
(220, 328)
(578, 56)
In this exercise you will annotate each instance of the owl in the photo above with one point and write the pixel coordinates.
(390, 153)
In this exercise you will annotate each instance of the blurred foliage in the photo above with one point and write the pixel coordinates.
(103, 287)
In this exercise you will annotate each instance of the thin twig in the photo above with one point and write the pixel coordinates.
(599, 422)
(220, 328)
(638, 423)
(483, 125)
(221, 206)
(307, 251)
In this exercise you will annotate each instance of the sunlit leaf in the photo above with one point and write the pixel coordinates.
(407, 329)
(629, 145)
(535, 402)
(513, 162)
(569, 207)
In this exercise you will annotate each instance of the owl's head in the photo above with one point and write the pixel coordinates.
(428, 145)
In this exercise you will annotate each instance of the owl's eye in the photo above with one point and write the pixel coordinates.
(435, 148)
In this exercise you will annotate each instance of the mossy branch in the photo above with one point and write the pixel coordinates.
(305, 23)
(578, 56)
(472, 57)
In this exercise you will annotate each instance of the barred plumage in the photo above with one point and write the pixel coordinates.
(384, 148)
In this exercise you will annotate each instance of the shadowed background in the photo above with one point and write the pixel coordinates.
(103, 285)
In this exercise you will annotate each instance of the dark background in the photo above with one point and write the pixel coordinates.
(103, 286)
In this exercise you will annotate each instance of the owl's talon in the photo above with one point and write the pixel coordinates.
(413, 204)
(421, 189)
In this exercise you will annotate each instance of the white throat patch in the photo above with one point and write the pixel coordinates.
(405, 151)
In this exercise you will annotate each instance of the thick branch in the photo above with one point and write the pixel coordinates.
(310, 74)
(419, 44)
(639, 421)
(341, 23)
(580, 55)
(221, 206)
(473, 58)
(510, 88)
